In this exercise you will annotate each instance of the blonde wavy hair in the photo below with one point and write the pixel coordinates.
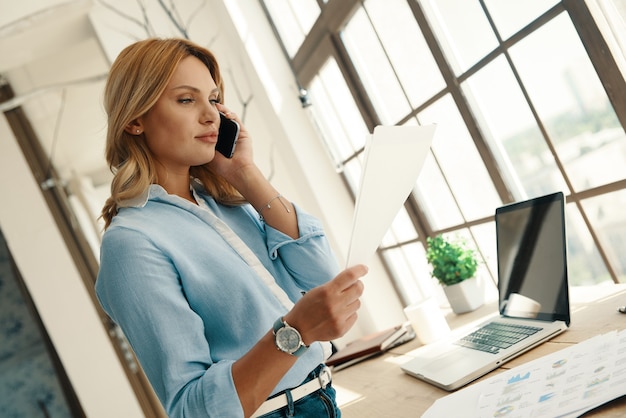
(136, 80)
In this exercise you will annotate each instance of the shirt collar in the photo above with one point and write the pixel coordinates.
(141, 199)
(156, 190)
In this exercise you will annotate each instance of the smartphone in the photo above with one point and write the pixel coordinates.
(227, 136)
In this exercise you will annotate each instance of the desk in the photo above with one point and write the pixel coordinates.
(386, 391)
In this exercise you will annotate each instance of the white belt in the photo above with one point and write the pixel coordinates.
(296, 393)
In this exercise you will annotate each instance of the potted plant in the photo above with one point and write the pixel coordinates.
(454, 265)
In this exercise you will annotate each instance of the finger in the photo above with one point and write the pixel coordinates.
(351, 320)
(348, 277)
(352, 294)
(227, 112)
(347, 324)
(347, 311)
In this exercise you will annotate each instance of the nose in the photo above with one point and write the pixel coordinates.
(209, 113)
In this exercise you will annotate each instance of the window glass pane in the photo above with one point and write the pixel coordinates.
(375, 71)
(352, 173)
(594, 159)
(511, 16)
(508, 125)
(485, 237)
(434, 196)
(411, 58)
(408, 264)
(584, 265)
(336, 113)
(462, 30)
(606, 214)
(460, 161)
(573, 106)
(293, 20)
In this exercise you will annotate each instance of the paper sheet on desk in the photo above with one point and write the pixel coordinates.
(394, 157)
(563, 384)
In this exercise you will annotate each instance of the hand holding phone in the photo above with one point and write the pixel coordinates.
(227, 136)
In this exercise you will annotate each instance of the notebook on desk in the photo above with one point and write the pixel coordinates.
(371, 345)
(533, 297)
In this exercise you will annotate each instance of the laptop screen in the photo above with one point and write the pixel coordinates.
(532, 259)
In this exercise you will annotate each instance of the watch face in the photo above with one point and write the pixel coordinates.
(288, 339)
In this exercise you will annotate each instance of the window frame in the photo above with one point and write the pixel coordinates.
(324, 41)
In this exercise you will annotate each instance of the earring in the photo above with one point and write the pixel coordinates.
(137, 131)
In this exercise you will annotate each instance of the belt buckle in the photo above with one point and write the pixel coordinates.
(325, 377)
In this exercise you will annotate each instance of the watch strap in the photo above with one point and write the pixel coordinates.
(300, 350)
(278, 324)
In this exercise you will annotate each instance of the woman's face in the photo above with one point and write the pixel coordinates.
(181, 128)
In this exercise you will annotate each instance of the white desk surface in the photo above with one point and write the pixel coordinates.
(377, 387)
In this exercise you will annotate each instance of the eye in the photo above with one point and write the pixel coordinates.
(186, 100)
(214, 101)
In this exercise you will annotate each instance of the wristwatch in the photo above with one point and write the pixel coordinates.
(288, 339)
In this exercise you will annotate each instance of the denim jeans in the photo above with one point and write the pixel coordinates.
(318, 404)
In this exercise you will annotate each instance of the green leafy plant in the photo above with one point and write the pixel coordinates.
(452, 262)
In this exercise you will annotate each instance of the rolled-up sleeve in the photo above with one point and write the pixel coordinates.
(309, 258)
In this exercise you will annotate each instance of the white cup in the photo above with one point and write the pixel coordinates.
(427, 320)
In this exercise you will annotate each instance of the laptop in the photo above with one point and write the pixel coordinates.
(533, 297)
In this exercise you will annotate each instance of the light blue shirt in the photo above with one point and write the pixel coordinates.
(190, 305)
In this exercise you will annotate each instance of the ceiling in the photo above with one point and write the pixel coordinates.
(56, 65)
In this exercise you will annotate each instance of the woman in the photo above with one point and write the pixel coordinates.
(200, 250)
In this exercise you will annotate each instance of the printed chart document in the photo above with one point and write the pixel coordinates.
(394, 157)
(566, 383)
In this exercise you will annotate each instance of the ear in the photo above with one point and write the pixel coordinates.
(134, 128)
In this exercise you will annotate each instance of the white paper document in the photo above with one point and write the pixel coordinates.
(566, 383)
(394, 157)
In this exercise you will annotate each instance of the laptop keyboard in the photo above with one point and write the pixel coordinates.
(494, 336)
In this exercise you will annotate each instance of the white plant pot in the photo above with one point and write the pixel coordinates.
(465, 296)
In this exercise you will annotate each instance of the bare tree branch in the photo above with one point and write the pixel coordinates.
(122, 14)
(175, 13)
(146, 19)
(169, 14)
(195, 13)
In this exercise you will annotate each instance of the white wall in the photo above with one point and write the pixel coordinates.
(58, 290)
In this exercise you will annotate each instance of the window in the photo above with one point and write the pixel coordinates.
(397, 75)
(340, 122)
(521, 103)
(293, 19)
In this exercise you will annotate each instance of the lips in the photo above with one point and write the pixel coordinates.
(209, 137)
